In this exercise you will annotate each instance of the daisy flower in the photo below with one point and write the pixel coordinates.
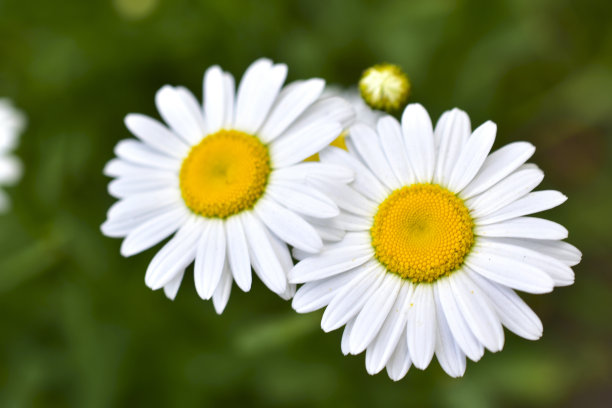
(227, 179)
(12, 123)
(439, 238)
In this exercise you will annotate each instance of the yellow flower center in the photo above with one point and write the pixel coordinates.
(422, 232)
(224, 174)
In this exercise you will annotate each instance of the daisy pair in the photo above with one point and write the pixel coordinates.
(439, 237)
(226, 180)
(414, 239)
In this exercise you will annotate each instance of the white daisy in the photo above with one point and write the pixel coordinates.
(12, 123)
(439, 238)
(226, 177)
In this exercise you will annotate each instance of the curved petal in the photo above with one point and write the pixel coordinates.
(509, 272)
(533, 202)
(292, 101)
(374, 313)
(153, 231)
(156, 135)
(472, 156)
(366, 142)
(263, 258)
(210, 258)
(288, 226)
(421, 327)
(452, 132)
(238, 253)
(497, 166)
(179, 115)
(505, 192)
(349, 300)
(523, 227)
(511, 309)
(257, 92)
(380, 350)
(392, 142)
(419, 141)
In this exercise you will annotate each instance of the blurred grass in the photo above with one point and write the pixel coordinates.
(81, 329)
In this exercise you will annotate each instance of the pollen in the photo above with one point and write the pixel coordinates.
(385, 87)
(422, 232)
(226, 173)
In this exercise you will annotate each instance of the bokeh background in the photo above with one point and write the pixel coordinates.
(80, 328)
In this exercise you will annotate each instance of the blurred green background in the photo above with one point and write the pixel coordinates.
(80, 328)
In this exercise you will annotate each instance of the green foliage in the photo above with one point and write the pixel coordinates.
(81, 329)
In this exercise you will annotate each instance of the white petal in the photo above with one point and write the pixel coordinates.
(400, 362)
(498, 165)
(238, 253)
(509, 272)
(452, 132)
(456, 322)
(210, 258)
(505, 192)
(229, 88)
(330, 109)
(314, 295)
(117, 227)
(346, 337)
(381, 349)
(257, 92)
(117, 167)
(477, 311)
(171, 288)
(448, 352)
(421, 327)
(323, 171)
(263, 258)
(511, 309)
(346, 198)
(224, 288)
(156, 135)
(333, 261)
(139, 204)
(301, 142)
(193, 106)
(392, 142)
(176, 255)
(533, 202)
(365, 182)
(214, 98)
(523, 227)
(561, 273)
(563, 251)
(139, 153)
(10, 170)
(151, 183)
(472, 156)
(419, 141)
(302, 199)
(366, 142)
(153, 231)
(179, 115)
(349, 300)
(374, 312)
(291, 103)
(288, 226)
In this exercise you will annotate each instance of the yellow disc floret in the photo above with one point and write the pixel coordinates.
(422, 232)
(225, 174)
(385, 87)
